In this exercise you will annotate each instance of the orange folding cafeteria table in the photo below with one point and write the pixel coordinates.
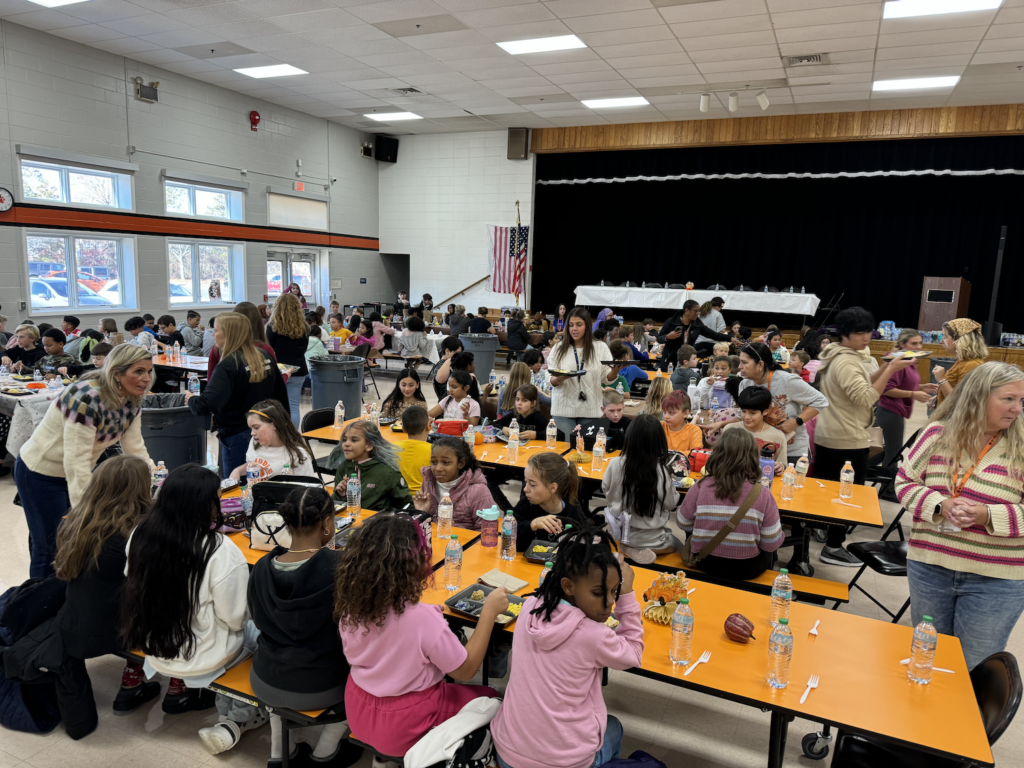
(333, 435)
(497, 453)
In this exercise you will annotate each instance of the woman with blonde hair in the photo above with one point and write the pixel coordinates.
(962, 336)
(963, 481)
(55, 465)
(259, 335)
(287, 333)
(519, 375)
(896, 404)
(660, 387)
(246, 375)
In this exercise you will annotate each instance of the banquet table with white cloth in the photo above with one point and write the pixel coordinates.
(668, 298)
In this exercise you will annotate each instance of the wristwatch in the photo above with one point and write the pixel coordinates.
(799, 421)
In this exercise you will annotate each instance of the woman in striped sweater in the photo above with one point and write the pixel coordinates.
(963, 481)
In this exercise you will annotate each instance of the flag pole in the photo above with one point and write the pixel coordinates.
(516, 257)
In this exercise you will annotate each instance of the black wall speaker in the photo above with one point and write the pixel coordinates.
(386, 149)
(518, 143)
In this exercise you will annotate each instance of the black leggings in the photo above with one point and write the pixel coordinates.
(828, 463)
(737, 570)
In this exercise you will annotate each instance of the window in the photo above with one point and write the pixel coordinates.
(80, 271)
(73, 185)
(203, 273)
(184, 199)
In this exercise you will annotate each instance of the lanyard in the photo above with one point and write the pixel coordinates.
(958, 484)
(579, 365)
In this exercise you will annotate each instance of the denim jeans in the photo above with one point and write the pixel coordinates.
(46, 501)
(609, 750)
(979, 610)
(232, 451)
(294, 387)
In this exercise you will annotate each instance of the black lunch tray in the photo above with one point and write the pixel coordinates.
(542, 557)
(475, 606)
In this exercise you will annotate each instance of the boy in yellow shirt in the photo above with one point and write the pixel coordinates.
(338, 329)
(415, 450)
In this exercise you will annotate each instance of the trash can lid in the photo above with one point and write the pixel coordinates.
(477, 335)
(337, 361)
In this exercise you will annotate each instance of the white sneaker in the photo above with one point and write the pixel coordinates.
(225, 734)
(639, 556)
(378, 763)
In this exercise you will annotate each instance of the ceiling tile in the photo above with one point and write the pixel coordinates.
(526, 31)
(403, 70)
(759, 23)
(834, 45)
(916, 51)
(160, 57)
(282, 42)
(421, 25)
(103, 10)
(150, 24)
(859, 77)
(394, 59)
(653, 60)
(592, 65)
(461, 37)
(543, 99)
(1006, 30)
(516, 82)
(720, 9)
(644, 84)
(614, 21)
(629, 50)
(741, 65)
(504, 16)
(365, 47)
(583, 77)
(645, 72)
(934, 36)
(242, 29)
(609, 89)
(727, 41)
(128, 46)
(272, 8)
(87, 33)
(826, 32)
(326, 19)
(782, 6)
(204, 15)
(392, 10)
(823, 16)
(731, 54)
(1003, 44)
(627, 36)
(566, 9)
(473, 52)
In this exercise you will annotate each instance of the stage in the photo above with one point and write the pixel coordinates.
(667, 298)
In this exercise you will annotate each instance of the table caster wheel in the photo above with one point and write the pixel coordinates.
(814, 746)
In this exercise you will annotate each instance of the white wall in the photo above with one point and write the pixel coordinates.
(435, 205)
(60, 94)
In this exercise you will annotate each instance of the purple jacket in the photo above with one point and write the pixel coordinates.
(469, 494)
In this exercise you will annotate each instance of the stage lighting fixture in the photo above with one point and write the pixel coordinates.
(734, 101)
(762, 99)
(705, 102)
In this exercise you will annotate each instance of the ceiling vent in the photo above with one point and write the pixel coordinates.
(407, 91)
(807, 59)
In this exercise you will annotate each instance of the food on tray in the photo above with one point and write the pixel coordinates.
(539, 549)
(515, 608)
(503, 618)
(15, 391)
(478, 595)
(21, 377)
(35, 385)
(465, 606)
(898, 353)
(612, 622)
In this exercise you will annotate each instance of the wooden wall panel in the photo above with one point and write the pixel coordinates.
(1002, 119)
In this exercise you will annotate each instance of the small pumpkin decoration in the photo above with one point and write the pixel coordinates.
(659, 611)
(739, 628)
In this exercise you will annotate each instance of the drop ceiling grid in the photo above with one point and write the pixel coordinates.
(633, 45)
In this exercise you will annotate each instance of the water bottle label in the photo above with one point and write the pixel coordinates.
(925, 641)
(782, 594)
(506, 528)
(780, 642)
(684, 622)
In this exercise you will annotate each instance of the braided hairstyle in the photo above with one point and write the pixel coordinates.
(577, 552)
(306, 508)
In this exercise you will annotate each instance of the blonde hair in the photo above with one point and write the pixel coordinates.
(970, 346)
(287, 318)
(460, 309)
(115, 365)
(517, 377)
(31, 330)
(660, 387)
(611, 396)
(964, 418)
(117, 495)
(722, 348)
(238, 338)
(906, 335)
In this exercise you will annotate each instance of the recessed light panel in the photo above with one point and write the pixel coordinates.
(902, 9)
(381, 117)
(543, 44)
(275, 70)
(632, 101)
(915, 83)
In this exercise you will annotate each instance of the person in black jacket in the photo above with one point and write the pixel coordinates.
(518, 336)
(480, 323)
(684, 327)
(26, 352)
(532, 424)
(299, 662)
(244, 376)
(288, 334)
(548, 502)
(458, 323)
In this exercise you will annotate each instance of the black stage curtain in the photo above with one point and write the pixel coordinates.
(938, 212)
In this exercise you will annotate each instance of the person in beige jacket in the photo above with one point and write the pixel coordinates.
(841, 433)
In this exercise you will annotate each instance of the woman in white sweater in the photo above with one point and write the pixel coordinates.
(54, 466)
(577, 399)
(184, 602)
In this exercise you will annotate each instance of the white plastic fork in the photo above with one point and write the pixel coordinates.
(904, 662)
(814, 629)
(812, 683)
(704, 659)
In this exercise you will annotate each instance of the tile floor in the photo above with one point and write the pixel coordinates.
(677, 726)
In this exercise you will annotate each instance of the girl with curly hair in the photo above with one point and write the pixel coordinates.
(399, 648)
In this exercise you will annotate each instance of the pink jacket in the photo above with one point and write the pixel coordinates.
(379, 329)
(562, 723)
(469, 494)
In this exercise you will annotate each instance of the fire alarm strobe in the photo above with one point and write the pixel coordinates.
(254, 119)
(6, 200)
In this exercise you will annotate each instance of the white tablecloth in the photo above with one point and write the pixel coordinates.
(26, 413)
(666, 298)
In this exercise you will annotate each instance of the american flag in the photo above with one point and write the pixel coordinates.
(507, 267)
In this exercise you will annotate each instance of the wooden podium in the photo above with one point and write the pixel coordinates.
(943, 299)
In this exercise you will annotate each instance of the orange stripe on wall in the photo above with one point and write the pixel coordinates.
(77, 218)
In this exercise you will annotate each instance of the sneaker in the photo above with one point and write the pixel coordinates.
(299, 757)
(639, 556)
(128, 699)
(839, 556)
(190, 700)
(347, 754)
(381, 763)
(225, 734)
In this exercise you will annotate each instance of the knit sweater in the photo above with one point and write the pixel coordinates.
(702, 515)
(75, 430)
(994, 550)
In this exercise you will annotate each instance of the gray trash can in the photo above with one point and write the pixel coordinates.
(483, 346)
(171, 432)
(338, 377)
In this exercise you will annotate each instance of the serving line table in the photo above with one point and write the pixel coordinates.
(863, 689)
(668, 298)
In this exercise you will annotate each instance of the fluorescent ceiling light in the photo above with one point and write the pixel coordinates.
(543, 44)
(55, 3)
(915, 83)
(632, 101)
(902, 9)
(275, 70)
(389, 116)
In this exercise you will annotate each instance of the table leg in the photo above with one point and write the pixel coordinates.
(777, 739)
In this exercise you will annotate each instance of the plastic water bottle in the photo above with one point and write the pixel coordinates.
(286, 469)
(252, 474)
(544, 574)
(671, 369)
(339, 415)
(619, 389)
(353, 496)
(782, 596)
(159, 474)
(453, 564)
(177, 352)
(599, 451)
(245, 494)
(552, 434)
(508, 536)
(513, 442)
(625, 519)
(922, 652)
(801, 470)
(37, 375)
(780, 654)
(846, 481)
(445, 512)
(193, 383)
(644, 284)
(789, 483)
(493, 379)
(680, 651)
(714, 407)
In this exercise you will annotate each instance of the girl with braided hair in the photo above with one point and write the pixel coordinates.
(561, 635)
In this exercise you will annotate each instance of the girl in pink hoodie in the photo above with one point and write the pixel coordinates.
(454, 472)
(561, 636)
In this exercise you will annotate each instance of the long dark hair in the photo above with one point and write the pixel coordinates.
(577, 551)
(167, 560)
(733, 462)
(566, 345)
(392, 404)
(644, 458)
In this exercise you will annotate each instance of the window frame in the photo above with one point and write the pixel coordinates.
(236, 270)
(127, 271)
(235, 200)
(123, 184)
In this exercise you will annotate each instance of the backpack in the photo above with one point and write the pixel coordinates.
(266, 527)
(638, 759)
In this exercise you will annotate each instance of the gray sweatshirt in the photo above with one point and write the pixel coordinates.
(793, 394)
(644, 532)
